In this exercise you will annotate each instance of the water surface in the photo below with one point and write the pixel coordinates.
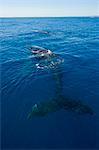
(23, 84)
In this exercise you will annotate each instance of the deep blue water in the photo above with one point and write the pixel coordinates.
(23, 84)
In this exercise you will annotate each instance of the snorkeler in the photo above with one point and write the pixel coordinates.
(40, 52)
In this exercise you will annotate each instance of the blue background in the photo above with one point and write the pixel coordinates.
(22, 84)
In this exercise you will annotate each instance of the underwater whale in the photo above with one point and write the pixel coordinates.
(58, 103)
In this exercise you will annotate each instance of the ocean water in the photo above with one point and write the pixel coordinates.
(23, 84)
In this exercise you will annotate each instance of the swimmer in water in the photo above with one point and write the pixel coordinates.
(40, 52)
(45, 57)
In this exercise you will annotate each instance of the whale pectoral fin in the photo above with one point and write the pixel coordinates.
(59, 103)
(78, 107)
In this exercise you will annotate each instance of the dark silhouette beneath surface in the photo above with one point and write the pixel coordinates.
(59, 101)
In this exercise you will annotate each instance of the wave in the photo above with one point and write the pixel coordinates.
(18, 72)
(17, 60)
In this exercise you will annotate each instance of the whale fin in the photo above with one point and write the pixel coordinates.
(78, 107)
(59, 103)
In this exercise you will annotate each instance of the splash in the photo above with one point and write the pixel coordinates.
(49, 64)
